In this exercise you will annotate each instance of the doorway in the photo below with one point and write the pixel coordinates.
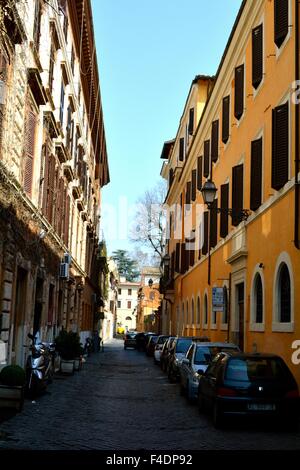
(240, 292)
(19, 316)
(38, 306)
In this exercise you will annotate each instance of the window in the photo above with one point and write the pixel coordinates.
(129, 304)
(205, 234)
(72, 59)
(119, 291)
(30, 132)
(177, 258)
(129, 291)
(199, 173)
(194, 184)
(205, 306)
(191, 121)
(237, 194)
(62, 102)
(239, 92)
(215, 141)
(65, 26)
(198, 311)
(188, 193)
(224, 213)
(51, 67)
(281, 21)
(213, 230)
(256, 174)
(181, 149)
(258, 299)
(206, 169)
(284, 294)
(193, 313)
(257, 55)
(225, 118)
(280, 146)
(119, 303)
(182, 259)
(37, 24)
(171, 176)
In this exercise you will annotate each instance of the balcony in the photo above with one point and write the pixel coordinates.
(238, 245)
(61, 152)
(76, 189)
(50, 122)
(36, 86)
(68, 172)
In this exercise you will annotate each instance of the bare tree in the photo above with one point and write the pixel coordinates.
(149, 228)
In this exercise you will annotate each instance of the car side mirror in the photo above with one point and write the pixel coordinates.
(201, 372)
(186, 361)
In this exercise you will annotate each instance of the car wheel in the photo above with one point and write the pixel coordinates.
(218, 418)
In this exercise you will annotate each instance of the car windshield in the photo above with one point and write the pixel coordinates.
(205, 354)
(183, 345)
(161, 339)
(251, 369)
(153, 339)
(131, 335)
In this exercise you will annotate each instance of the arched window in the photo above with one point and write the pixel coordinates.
(258, 299)
(193, 313)
(205, 310)
(128, 318)
(284, 294)
(198, 310)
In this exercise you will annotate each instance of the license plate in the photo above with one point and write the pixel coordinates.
(261, 407)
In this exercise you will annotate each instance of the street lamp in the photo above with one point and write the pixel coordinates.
(209, 192)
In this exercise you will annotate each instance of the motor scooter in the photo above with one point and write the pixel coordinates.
(39, 368)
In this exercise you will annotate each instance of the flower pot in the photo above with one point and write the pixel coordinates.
(12, 397)
(67, 367)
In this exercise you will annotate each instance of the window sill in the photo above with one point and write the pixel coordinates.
(258, 327)
(283, 327)
(224, 327)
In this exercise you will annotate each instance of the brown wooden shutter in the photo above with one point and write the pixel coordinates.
(280, 146)
(60, 200)
(239, 91)
(215, 140)
(224, 214)
(67, 221)
(188, 193)
(30, 129)
(256, 174)
(171, 176)
(281, 21)
(213, 230)
(225, 118)
(194, 184)
(177, 258)
(182, 259)
(257, 55)
(51, 188)
(192, 249)
(206, 169)
(45, 176)
(237, 193)
(181, 149)
(205, 234)
(199, 173)
(191, 121)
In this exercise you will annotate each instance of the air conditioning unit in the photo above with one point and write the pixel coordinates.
(67, 258)
(64, 271)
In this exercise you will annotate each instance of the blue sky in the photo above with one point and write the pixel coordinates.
(148, 54)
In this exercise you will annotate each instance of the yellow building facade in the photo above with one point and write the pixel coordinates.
(240, 129)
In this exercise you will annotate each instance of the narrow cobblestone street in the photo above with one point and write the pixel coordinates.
(121, 400)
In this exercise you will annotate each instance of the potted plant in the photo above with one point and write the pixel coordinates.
(12, 385)
(68, 346)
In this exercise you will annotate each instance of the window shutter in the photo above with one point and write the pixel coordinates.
(45, 177)
(281, 21)
(205, 234)
(224, 214)
(177, 258)
(215, 140)
(239, 91)
(62, 103)
(182, 258)
(188, 193)
(51, 189)
(181, 149)
(237, 194)
(257, 55)
(194, 184)
(214, 224)
(171, 176)
(29, 150)
(191, 121)
(199, 173)
(67, 221)
(280, 146)
(256, 174)
(206, 169)
(225, 118)
(61, 192)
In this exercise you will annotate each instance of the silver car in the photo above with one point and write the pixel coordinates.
(198, 357)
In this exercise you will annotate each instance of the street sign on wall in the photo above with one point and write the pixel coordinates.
(218, 299)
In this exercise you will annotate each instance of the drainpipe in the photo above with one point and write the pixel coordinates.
(297, 122)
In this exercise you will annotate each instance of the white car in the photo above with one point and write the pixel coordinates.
(198, 357)
(158, 347)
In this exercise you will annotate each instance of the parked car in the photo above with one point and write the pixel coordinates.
(158, 347)
(165, 353)
(179, 350)
(151, 345)
(142, 340)
(198, 357)
(130, 340)
(257, 385)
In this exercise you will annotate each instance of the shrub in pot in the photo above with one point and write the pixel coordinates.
(68, 345)
(12, 381)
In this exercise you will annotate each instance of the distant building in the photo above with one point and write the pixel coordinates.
(150, 272)
(110, 305)
(127, 304)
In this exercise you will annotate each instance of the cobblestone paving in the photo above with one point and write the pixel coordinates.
(121, 401)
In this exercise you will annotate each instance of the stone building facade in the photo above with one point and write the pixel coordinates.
(53, 164)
